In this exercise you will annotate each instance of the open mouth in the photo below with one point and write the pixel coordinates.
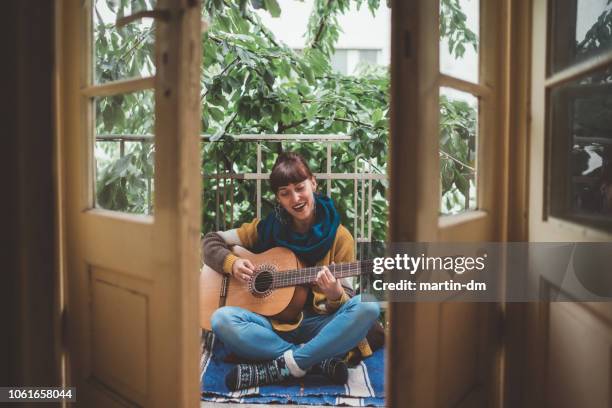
(299, 207)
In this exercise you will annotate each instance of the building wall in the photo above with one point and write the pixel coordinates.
(362, 34)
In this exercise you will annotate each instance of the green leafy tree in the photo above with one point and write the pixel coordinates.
(453, 27)
(124, 179)
(253, 83)
(457, 154)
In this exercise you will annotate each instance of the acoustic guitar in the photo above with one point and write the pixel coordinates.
(274, 290)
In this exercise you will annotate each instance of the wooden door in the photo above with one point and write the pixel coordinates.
(132, 323)
(569, 343)
(443, 354)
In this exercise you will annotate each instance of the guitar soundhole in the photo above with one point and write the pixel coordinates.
(261, 284)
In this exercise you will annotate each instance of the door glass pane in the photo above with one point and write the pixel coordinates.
(459, 38)
(126, 52)
(458, 147)
(580, 30)
(581, 150)
(124, 152)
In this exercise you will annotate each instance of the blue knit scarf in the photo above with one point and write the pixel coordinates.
(310, 247)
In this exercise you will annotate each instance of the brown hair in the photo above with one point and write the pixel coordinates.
(289, 168)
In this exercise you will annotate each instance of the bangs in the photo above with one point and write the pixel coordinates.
(287, 172)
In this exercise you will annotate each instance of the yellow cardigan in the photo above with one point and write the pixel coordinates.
(342, 250)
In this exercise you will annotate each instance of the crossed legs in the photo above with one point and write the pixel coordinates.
(251, 336)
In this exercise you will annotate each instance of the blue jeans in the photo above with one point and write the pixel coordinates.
(252, 336)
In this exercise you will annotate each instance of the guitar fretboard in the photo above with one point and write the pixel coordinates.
(309, 275)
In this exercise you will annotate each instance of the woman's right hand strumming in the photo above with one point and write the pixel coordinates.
(243, 270)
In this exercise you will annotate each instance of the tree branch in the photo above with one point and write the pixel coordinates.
(448, 156)
(227, 67)
(282, 127)
(263, 30)
(353, 121)
(137, 42)
(322, 23)
(229, 122)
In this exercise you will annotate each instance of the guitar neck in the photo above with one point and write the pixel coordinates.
(308, 275)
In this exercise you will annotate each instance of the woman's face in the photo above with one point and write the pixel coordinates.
(298, 199)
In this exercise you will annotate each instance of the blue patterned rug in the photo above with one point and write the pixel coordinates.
(365, 386)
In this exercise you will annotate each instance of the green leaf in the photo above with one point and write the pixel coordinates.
(308, 74)
(462, 182)
(269, 77)
(216, 114)
(377, 115)
(383, 123)
(273, 7)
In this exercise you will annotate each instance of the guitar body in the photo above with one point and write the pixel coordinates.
(283, 304)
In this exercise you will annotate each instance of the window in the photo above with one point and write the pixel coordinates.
(460, 97)
(122, 52)
(580, 31)
(579, 137)
(346, 61)
(458, 134)
(119, 88)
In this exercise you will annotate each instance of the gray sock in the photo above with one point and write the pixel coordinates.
(254, 375)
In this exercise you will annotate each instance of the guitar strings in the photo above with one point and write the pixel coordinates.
(308, 273)
(279, 279)
(304, 275)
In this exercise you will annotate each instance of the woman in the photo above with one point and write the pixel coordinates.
(331, 324)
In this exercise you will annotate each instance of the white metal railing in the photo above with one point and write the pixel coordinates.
(362, 176)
